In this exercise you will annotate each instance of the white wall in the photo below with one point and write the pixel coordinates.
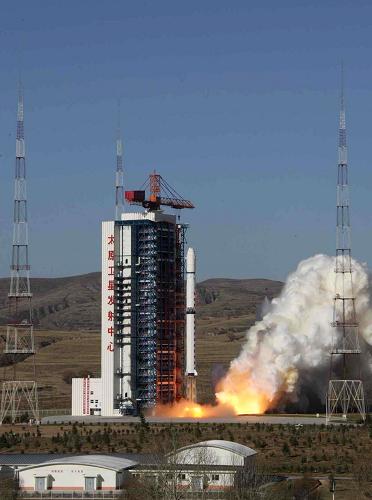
(95, 395)
(67, 477)
(207, 455)
(77, 397)
(225, 479)
(188, 479)
(86, 396)
(107, 325)
(123, 247)
(103, 388)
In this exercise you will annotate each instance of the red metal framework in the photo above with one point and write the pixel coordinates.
(161, 194)
(166, 315)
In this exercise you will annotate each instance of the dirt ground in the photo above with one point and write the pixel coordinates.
(60, 354)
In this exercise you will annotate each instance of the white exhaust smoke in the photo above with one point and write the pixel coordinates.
(296, 333)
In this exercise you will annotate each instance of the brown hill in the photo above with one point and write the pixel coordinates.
(73, 303)
(63, 306)
(231, 305)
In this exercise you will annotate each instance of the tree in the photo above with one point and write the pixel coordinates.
(285, 448)
(8, 488)
(362, 472)
(306, 488)
(251, 483)
(166, 477)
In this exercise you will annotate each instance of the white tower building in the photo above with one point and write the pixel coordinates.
(143, 317)
(143, 310)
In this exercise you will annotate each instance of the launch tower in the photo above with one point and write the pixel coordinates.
(345, 390)
(143, 324)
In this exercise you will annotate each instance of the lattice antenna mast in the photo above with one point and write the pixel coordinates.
(20, 267)
(345, 319)
(119, 180)
(343, 242)
(345, 395)
(19, 397)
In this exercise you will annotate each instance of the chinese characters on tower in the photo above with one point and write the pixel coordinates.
(110, 292)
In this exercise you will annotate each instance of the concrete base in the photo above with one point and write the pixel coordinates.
(242, 419)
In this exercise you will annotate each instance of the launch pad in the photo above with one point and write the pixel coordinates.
(298, 420)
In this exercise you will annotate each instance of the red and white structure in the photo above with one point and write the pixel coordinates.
(144, 360)
(145, 313)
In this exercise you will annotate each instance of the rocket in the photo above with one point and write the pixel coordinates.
(191, 373)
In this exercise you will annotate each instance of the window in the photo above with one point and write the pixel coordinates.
(182, 477)
(215, 477)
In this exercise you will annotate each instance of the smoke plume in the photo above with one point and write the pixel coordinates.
(293, 338)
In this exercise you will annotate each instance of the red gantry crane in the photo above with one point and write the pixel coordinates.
(161, 194)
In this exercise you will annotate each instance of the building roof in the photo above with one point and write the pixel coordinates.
(158, 216)
(104, 461)
(23, 459)
(238, 448)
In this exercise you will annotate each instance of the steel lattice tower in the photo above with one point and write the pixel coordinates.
(345, 393)
(119, 184)
(19, 396)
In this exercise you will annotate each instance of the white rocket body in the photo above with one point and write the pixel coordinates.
(190, 313)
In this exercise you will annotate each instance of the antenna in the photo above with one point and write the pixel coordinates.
(19, 396)
(119, 180)
(345, 394)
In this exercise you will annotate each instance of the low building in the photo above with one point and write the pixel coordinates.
(76, 473)
(204, 466)
(207, 465)
(86, 396)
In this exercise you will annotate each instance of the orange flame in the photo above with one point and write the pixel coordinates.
(237, 391)
(235, 395)
(186, 409)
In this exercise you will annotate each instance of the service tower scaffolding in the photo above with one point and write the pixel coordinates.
(20, 396)
(149, 306)
(345, 392)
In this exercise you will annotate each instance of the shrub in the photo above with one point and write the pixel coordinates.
(285, 448)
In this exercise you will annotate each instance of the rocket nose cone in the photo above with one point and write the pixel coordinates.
(190, 261)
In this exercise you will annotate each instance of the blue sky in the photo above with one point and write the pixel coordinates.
(234, 103)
